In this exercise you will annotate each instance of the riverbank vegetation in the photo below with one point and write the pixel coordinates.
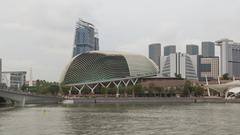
(43, 87)
(188, 89)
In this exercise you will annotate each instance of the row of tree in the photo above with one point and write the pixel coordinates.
(186, 90)
(52, 88)
(43, 87)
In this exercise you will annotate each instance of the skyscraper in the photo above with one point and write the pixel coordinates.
(169, 49)
(229, 57)
(85, 38)
(192, 49)
(208, 49)
(155, 53)
(208, 67)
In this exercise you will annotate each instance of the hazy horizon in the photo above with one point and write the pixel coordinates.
(40, 34)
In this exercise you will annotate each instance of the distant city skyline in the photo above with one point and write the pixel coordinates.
(40, 34)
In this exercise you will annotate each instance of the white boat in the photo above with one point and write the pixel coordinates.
(68, 101)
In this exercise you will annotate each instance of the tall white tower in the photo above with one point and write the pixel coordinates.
(30, 78)
(229, 57)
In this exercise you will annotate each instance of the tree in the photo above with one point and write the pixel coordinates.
(198, 91)
(138, 89)
(65, 90)
(159, 90)
(225, 76)
(53, 89)
(187, 88)
(178, 76)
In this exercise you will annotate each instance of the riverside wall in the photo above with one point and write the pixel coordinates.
(84, 100)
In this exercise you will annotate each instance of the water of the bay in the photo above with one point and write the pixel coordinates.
(122, 119)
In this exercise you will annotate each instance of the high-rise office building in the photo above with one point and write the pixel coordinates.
(229, 57)
(85, 38)
(208, 49)
(180, 64)
(208, 67)
(169, 49)
(155, 53)
(192, 49)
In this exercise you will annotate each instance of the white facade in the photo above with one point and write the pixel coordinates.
(14, 79)
(179, 64)
(229, 57)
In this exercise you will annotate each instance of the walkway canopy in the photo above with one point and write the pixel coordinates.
(222, 88)
(102, 66)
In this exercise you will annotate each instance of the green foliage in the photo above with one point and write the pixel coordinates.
(192, 90)
(187, 88)
(138, 90)
(65, 90)
(225, 76)
(178, 76)
(44, 87)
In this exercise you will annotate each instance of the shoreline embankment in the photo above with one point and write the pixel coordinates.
(101, 100)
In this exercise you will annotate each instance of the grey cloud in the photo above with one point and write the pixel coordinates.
(40, 34)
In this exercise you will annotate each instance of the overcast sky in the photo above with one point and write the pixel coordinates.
(40, 33)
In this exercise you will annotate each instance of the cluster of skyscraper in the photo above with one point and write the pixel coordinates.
(191, 65)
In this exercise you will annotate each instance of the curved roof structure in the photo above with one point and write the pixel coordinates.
(225, 86)
(102, 66)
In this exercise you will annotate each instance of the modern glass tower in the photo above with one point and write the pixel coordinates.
(85, 38)
(169, 49)
(155, 53)
(208, 49)
(192, 49)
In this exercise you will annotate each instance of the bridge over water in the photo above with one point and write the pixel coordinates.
(22, 98)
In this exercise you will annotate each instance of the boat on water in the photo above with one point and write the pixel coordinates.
(68, 101)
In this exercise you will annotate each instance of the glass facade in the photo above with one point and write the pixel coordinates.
(192, 49)
(155, 53)
(208, 66)
(85, 38)
(169, 49)
(208, 49)
(99, 66)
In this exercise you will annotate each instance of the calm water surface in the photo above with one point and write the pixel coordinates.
(127, 119)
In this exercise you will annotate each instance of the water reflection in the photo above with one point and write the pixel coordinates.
(134, 119)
